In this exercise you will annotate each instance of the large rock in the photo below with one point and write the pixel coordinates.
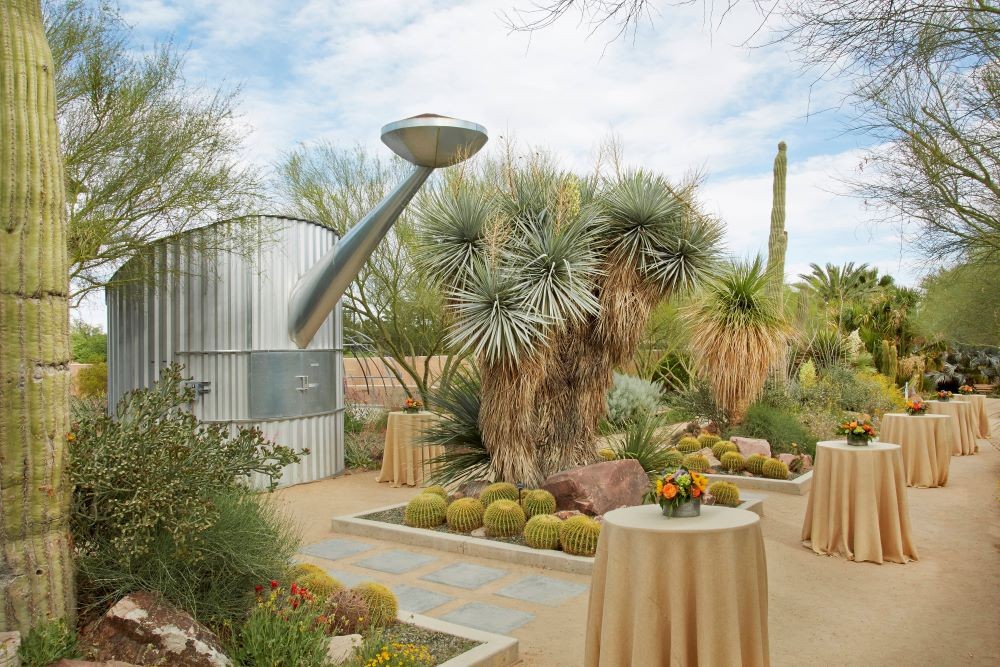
(600, 487)
(787, 459)
(143, 629)
(748, 446)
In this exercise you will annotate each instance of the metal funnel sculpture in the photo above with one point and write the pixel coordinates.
(428, 142)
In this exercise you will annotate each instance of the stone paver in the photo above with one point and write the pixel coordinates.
(542, 590)
(395, 561)
(336, 549)
(465, 575)
(349, 579)
(418, 600)
(488, 617)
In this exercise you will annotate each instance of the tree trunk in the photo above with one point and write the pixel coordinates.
(777, 242)
(36, 571)
(506, 420)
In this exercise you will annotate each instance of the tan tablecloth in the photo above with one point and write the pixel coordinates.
(979, 413)
(403, 460)
(963, 428)
(678, 591)
(926, 446)
(857, 507)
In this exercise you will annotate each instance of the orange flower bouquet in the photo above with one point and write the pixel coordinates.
(859, 431)
(915, 407)
(944, 395)
(965, 390)
(679, 493)
(412, 405)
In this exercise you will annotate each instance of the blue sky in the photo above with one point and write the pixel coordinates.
(680, 96)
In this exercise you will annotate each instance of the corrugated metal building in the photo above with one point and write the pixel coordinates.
(224, 315)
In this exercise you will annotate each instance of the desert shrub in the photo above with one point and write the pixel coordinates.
(841, 389)
(92, 380)
(283, 629)
(778, 426)
(46, 643)
(359, 417)
(642, 443)
(363, 449)
(695, 402)
(630, 398)
(160, 501)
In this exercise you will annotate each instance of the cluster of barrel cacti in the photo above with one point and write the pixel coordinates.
(725, 493)
(578, 535)
(346, 612)
(537, 501)
(498, 491)
(733, 462)
(426, 510)
(755, 464)
(708, 440)
(465, 515)
(314, 578)
(695, 463)
(674, 458)
(542, 531)
(382, 604)
(504, 518)
(723, 447)
(688, 445)
(774, 469)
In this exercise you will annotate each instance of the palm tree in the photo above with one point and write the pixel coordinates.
(738, 333)
(837, 285)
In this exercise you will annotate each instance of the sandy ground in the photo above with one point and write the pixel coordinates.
(942, 610)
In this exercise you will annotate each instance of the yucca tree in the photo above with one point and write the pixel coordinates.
(738, 333)
(551, 279)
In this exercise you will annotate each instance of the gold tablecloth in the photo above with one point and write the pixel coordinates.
(926, 446)
(857, 506)
(963, 428)
(979, 414)
(404, 459)
(678, 591)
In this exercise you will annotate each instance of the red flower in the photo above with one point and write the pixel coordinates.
(295, 603)
(295, 589)
(695, 492)
(274, 584)
(258, 588)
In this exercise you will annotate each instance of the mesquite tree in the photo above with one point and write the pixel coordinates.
(36, 573)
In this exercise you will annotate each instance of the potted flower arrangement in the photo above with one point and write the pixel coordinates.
(965, 390)
(679, 493)
(915, 407)
(412, 406)
(858, 431)
(944, 395)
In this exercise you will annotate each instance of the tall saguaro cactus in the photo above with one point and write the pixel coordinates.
(777, 242)
(36, 571)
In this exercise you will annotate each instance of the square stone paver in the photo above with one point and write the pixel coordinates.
(542, 590)
(335, 549)
(418, 600)
(488, 617)
(349, 579)
(395, 562)
(464, 575)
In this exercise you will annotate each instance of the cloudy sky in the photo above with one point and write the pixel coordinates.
(680, 95)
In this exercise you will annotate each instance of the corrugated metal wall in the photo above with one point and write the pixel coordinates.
(210, 313)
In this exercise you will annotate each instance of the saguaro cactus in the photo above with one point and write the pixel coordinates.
(36, 571)
(777, 242)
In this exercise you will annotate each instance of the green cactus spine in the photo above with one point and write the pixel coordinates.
(436, 490)
(538, 501)
(498, 491)
(725, 493)
(775, 469)
(733, 462)
(382, 604)
(465, 515)
(777, 242)
(578, 535)
(687, 445)
(708, 440)
(723, 447)
(695, 463)
(427, 510)
(542, 531)
(674, 458)
(504, 518)
(755, 464)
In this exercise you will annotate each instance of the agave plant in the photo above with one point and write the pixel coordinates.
(465, 456)
(739, 334)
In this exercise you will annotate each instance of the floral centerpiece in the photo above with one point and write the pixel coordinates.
(679, 493)
(412, 405)
(944, 395)
(915, 407)
(858, 431)
(965, 390)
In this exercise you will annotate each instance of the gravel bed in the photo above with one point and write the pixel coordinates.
(442, 646)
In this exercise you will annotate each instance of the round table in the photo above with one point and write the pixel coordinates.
(979, 414)
(404, 456)
(926, 446)
(857, 506)
(678, 591)
(963, 428)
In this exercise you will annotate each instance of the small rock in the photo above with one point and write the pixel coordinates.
(707, 453)
(473, 488)
(478, 532)
(342, 648)
(565, 514)
(748, 446)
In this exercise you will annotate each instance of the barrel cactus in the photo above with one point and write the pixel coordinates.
(504, 518)
(542, 531)
(723, 447)
(427, 510)
(755, 463)
(774, 469)
(673, 458)
(538, 501)
(733, 462)
(725, 493)
(346, 613)
(708, 440)
(465, 515)
(498, 491)
(315, 579)
(687, 445)
(607, 454)
(382, 605)
(695, 462)
(578, 535)
(437, 490)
